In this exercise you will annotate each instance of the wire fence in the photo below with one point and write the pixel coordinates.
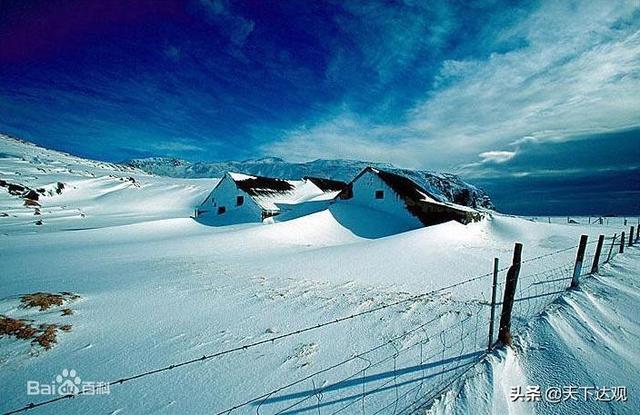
(411, 366)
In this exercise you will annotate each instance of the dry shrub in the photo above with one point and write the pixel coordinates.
(43, 300)
(47, 336)
(21, 329)
(44, 335)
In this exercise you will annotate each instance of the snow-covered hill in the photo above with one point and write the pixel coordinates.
(446, 186)
(43, 190)
(158, 288)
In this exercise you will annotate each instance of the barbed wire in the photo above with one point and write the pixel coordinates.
(535, 292)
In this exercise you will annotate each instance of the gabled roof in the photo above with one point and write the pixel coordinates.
(260, 185)
(419, 202)
(269, 192)
(327, 185)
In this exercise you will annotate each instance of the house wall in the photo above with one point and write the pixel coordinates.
(363, 194)
(224, 195)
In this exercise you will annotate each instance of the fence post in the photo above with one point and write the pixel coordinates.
(504, 334)
(622, 243)
(577, 268)
(631, 236)
(638, 233)
(613, 242)
(493, 301)
(596, 257)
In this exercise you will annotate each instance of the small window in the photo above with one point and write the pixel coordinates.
(221, 210)
(239, 200)
(379, 194)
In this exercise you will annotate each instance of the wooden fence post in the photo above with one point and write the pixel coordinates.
(504, 335)
(577, 268)
(493, 301)
(596, 257)
(613, 242)
(622, 243)
(638, 233)
(631, 236)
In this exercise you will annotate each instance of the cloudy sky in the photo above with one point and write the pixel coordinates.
(527, 96)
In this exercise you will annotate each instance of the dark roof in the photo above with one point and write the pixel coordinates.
(429, 212)
(257, 185)
(327, 185)
(403, 186)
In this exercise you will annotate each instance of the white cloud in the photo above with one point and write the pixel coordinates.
(496, 156)
(578, 73)
(342, 136)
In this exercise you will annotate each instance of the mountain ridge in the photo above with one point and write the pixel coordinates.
(445, 186)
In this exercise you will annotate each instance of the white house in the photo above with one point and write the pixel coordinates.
(402, 198)
(240, 198)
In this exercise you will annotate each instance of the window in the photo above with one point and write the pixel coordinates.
(239, 200)
(221, 210)
(379, 194)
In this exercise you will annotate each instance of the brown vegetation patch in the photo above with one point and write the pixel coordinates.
(42, 300)
(44, 335)
(21, 329)
(47, 337)
(47, 300)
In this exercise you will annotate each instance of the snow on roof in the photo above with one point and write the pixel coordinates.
(421, 203)
(327, 185)
(268, 192)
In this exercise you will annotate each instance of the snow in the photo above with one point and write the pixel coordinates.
(158, 288)
(304, 195)
(588, 338)
(446, 187)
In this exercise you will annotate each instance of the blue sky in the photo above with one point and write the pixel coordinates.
(499, 91)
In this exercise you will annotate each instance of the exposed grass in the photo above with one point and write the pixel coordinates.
(21, 329)
(42, 300)
(45, 335)
(47, 300)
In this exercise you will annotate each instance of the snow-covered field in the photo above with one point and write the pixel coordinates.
(158, 288)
